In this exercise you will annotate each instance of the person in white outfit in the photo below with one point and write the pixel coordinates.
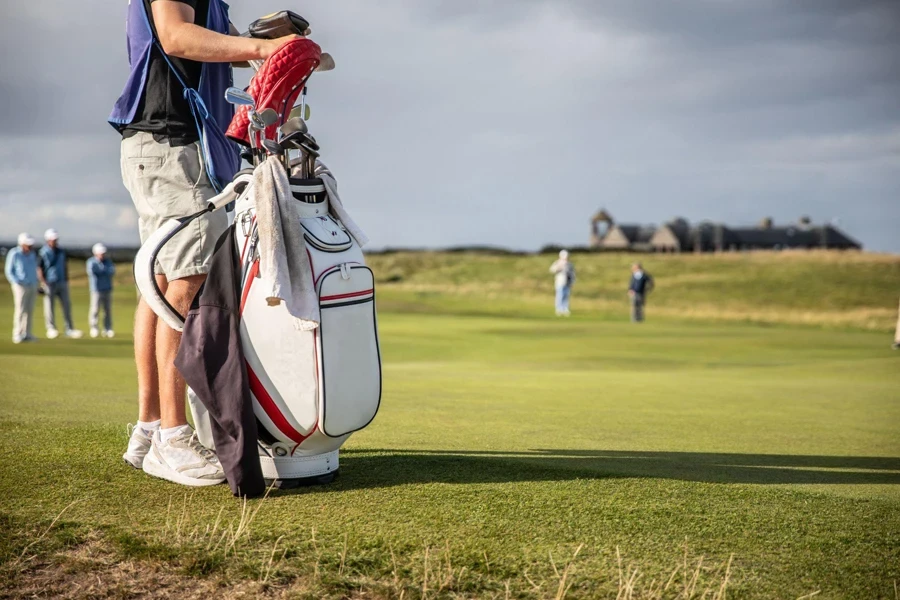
(22, 273)
(563, 279)
(896, 344)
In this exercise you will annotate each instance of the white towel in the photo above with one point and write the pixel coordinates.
(337, 207)
(285, 272)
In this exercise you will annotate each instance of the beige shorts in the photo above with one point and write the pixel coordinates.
(165, 183)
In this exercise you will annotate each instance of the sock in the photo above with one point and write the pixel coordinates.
(148, 427)
(171, 432)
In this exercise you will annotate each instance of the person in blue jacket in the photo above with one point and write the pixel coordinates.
(22, 273)
(640, 286)
(54, 275)
(100, 270)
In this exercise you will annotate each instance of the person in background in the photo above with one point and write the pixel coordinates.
(22, 273)
(100, 270)
(563, 278)
(896, 344)
(54, 275)
(641, 285)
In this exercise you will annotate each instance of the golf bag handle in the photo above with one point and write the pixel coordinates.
(145, 261)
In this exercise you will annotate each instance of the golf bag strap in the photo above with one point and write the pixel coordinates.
(204, 122)
(145, 261)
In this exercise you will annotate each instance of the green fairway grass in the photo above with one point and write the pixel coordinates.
(515, 455)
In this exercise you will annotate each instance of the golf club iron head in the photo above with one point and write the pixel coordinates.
(294, 125)
(272, 147)
(269, 117)
(298, 138)
(239, 97)
(302, 111)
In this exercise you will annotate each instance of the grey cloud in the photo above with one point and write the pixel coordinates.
(512, 122)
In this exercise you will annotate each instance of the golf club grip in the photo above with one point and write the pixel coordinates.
(231, 192)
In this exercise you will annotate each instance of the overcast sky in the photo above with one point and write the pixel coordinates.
(509, 122)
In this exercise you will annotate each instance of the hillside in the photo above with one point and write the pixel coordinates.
(818, 288)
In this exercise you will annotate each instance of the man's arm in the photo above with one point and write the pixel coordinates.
(41, 258)
(10, 269)
(180, 37)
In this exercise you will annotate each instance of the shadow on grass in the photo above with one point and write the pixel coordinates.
(385, 468)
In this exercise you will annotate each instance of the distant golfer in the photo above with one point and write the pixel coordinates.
(896, 345)
(22, 273)
(54, 275)
(100, 270)
(563, 279)
(641, 285)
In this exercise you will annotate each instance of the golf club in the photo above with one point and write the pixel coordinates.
(293, 125)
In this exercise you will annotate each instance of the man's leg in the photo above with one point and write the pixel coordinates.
(897, 334)
(63, 290)
(93, 316)
(172, 388)
(18, 331)
(49, 308)
(145, 323)
(30, 297)
(106, 298)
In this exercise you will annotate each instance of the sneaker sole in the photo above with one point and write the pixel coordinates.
(137, 463)
(163, 472)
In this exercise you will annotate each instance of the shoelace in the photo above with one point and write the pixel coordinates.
(202, 450)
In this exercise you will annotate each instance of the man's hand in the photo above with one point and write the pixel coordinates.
(273, 45)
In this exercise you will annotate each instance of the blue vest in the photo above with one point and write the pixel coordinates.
(212, 114)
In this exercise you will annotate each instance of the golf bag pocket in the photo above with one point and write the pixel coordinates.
(325, 234)
(349, 357)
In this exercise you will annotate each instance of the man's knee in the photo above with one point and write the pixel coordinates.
(181, 292)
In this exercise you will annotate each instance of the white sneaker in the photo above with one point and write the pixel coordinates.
(52, 334)
(109, 333)
(183, 459)
(17, 340)
(95, 332)
(138, 447)
(75, 334)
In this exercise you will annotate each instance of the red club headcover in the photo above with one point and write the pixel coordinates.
(277, 85)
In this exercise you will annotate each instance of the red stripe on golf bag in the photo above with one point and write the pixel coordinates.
(251, 275)
(351, 295)
(271, 409)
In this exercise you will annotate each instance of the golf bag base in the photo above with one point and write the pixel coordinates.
(299, 468)
(293, 484)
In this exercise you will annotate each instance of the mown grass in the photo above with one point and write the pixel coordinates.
(813, 288)
(515, 456)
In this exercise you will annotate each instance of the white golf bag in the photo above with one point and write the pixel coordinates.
(310, 389)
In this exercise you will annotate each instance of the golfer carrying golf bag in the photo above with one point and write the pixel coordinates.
(172, 115)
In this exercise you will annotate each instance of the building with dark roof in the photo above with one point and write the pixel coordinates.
(680, 236)
(629, 237)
